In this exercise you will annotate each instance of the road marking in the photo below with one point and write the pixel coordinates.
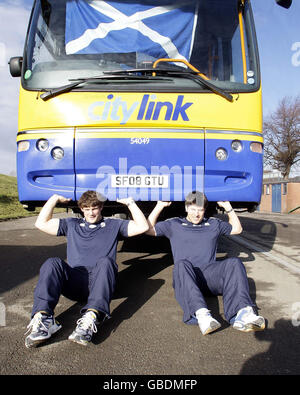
(255, 247)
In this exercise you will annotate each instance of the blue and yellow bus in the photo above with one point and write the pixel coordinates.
(142, 98)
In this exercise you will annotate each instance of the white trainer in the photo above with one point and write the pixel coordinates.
(41, 328)
(247, 321)
(86, 327)
(207, 323)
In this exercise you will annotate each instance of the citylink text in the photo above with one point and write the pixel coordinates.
(148, 109)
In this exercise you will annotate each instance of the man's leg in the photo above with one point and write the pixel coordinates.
(186, 287)
(229, 278)
(46, 295)
(102, 280)
(188, 283)
(236, 293)
(49, 286)
(58, 278)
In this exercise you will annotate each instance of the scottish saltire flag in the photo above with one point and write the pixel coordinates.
(158, 28)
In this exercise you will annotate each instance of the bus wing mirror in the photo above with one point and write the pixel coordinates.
(15, 66)
(284, 3)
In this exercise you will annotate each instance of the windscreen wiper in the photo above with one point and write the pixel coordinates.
(103, 79)
(193, 75)
(200, 80)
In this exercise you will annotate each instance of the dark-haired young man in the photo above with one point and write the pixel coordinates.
(90, 271)
(197, 272)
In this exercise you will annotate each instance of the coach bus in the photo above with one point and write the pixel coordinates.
(142, 98)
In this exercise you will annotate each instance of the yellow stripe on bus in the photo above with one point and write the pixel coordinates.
(37, 136)
(137, 134)
(223, 136)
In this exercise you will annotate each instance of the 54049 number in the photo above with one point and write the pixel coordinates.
(139, 140)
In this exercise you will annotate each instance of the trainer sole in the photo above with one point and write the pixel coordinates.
(32, 343)
(259, 325)
(213, 327)
(78, 341)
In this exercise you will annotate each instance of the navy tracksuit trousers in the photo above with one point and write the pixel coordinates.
(226, 277)
(93, 285)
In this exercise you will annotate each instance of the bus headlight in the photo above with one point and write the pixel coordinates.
(42, 145)
(221, 154)
(57, 153)
(256, 147)
(236, 145)
(23, 146)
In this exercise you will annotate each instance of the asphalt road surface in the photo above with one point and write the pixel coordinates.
(146, 335)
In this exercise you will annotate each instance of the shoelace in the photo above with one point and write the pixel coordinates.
(87, 322)
(35, 324)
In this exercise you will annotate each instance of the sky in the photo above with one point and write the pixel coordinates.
(278, 34)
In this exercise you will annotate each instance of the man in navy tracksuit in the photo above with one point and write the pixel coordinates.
(197, 273)
(90, 271)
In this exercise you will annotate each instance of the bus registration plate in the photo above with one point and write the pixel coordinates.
(139, 181)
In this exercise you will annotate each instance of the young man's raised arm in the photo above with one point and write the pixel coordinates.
(138, 224)
(153, 216)
(233, 219)
(44, 221)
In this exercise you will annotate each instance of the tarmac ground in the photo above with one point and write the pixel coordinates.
(146, 339)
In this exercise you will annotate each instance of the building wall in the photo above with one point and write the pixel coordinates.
(266, 198)
(293, 196)
(290, 196)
